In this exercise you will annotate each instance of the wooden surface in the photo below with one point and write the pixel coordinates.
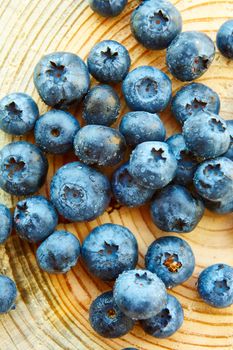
(52, 311)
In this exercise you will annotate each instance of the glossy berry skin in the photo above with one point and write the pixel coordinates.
(79, 192)
(35, 218)
(223, 206)
(108, 8)
(152, 164)
(59, 252)
(215, 285)
(229, 153)
(190, 55)
(107, 319)
(167, 322)
(213, 179)
(224, 39)
(187, 162)
(127, 191)
(100, 145)
(147, 88)
(8, 294)
(23, 168)
(18, 113)
(192, 99)
(134, 292)
(61, 79)
(101, 106)
(55, 131)
(174, 209)
(155, 24)
(172, 259)
(109, 250)
(138, 127)
(206, 135)
(6, 223)
(109, 61)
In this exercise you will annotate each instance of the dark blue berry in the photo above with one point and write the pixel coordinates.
(224, 39)
(171, 259)
(35, 218)
(229, 153)
(223, 206)
(55, 131)
(6, 223)
(23, 168)
(8, 293)
(108, 8)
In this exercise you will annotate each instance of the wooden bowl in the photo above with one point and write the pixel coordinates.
(52, 311)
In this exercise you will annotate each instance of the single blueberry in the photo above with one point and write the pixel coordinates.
(108, 8)
(55, 131)
(187, 162)
(172, 259)
(129, 349)
(79, 192)
(139, 294)
(206, 135)
(35, 218)
(107, 319)
(100, 145)
(192, 99)
(101, 106)
(215, 285)
(109, 250)
(61, 79)
(167, 322)
(8, 294)
(223, 206)
(138, 127)
(224, 39)
(190, 55)
(127, 191)
(152, 164)
(147, 88)
(6, 223)
(155, 23)
(229, 153)
(23, 168)
(174, 209)
(109, 61)
(59, 252)
(18, 113)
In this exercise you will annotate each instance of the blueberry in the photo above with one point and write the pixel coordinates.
(215, 285)
(213, 179)
(101, 106)
(100, 145)
(59, 252)
(224, 39)
(8, 293)
(187, 162)
(174, 209)
(229, 153)
(107, 319)
(23, 168)
(138, 127)
(108, 8)
(190, 55)
(140, 294)
(153, 164)
(129, 349)
(147, 88)
(223, 206)
(109, 250)
(35, 218)
(192, 99)
(79, 192)
(61, 79)
(167, 322)
(206, 135)
(127, 191)
(55, 131)
(172, 259)
(18, 113)
(155, 23)
(109, 61)
(6, 223)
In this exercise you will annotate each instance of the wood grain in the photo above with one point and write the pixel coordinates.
(52, 311)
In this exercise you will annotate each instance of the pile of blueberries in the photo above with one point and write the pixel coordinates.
(180, 175)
